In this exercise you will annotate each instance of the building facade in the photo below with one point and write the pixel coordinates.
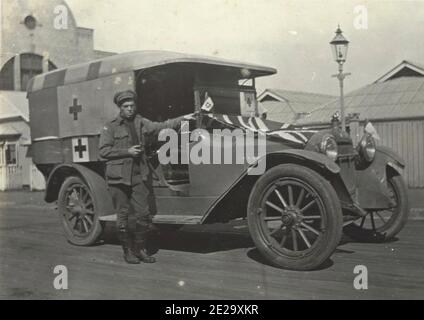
(35, 37)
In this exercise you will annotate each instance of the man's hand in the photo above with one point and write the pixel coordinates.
(135, 151)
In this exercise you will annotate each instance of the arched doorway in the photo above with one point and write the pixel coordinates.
(16, 73)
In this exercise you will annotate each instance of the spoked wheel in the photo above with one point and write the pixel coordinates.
(383, 225)
(77, 208)
(294, 217)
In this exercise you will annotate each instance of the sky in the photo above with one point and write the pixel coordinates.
(291, 36)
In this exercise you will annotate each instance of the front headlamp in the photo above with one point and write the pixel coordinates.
(329, 147)
(367, 148)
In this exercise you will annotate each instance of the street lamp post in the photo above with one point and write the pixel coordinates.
(340, 47)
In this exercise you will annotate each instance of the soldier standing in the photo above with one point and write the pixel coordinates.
(129, 176)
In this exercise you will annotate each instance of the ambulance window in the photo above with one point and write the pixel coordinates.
(165, 92)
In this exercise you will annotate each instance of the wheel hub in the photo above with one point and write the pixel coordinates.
(287, 219)
(291, 217)
(77, 208)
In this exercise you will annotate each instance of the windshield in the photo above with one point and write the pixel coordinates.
(169, 91)
(230, 99)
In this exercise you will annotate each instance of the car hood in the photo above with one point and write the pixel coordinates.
(276, 132)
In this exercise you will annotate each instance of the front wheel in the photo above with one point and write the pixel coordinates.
(383, 225)
(78, 212)
(294, 217)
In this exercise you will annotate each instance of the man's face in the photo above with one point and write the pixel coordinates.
(128, 109)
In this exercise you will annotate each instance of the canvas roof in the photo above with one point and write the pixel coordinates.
(137, 60)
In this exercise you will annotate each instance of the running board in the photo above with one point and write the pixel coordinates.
(163, 219)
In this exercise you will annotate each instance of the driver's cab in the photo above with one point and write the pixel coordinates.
(172, 90)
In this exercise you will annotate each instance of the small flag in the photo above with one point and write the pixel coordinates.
(248, 104)
(208, 105)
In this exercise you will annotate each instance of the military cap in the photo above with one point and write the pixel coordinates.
(123, 96)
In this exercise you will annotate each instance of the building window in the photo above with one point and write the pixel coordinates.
(31, 65)
(11, 154)
(30, 22)
(7, 76)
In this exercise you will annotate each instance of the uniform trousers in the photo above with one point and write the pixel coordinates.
(135, 205)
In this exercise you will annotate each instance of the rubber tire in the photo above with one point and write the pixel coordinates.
(96, 231)
(386, 232)
(332, 207)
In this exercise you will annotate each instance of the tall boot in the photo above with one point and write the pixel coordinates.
(152, 240)
(140, 240)
(127, 245)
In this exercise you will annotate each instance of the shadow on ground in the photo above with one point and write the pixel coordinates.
(196, 239)
(200, 239)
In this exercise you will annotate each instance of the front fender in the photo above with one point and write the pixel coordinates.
(317, 162)
(318, 158)
(241, 188)
(95, 182)
(393, 160)
(373, 192)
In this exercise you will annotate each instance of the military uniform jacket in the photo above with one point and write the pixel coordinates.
(115, 140)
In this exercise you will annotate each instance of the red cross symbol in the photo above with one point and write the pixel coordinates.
(75, 109)
(80, 149)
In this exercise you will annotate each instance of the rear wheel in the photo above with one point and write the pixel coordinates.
(78, 212)
(383, 225)
(294, 217)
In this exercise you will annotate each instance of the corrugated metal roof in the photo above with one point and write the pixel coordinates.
(287, 105)
(400, 69)
(399, 98)
(278, 111)
(13, 104)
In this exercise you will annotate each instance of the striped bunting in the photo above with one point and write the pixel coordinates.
(271, 128)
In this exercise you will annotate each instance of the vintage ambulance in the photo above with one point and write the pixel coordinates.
(314, 183)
